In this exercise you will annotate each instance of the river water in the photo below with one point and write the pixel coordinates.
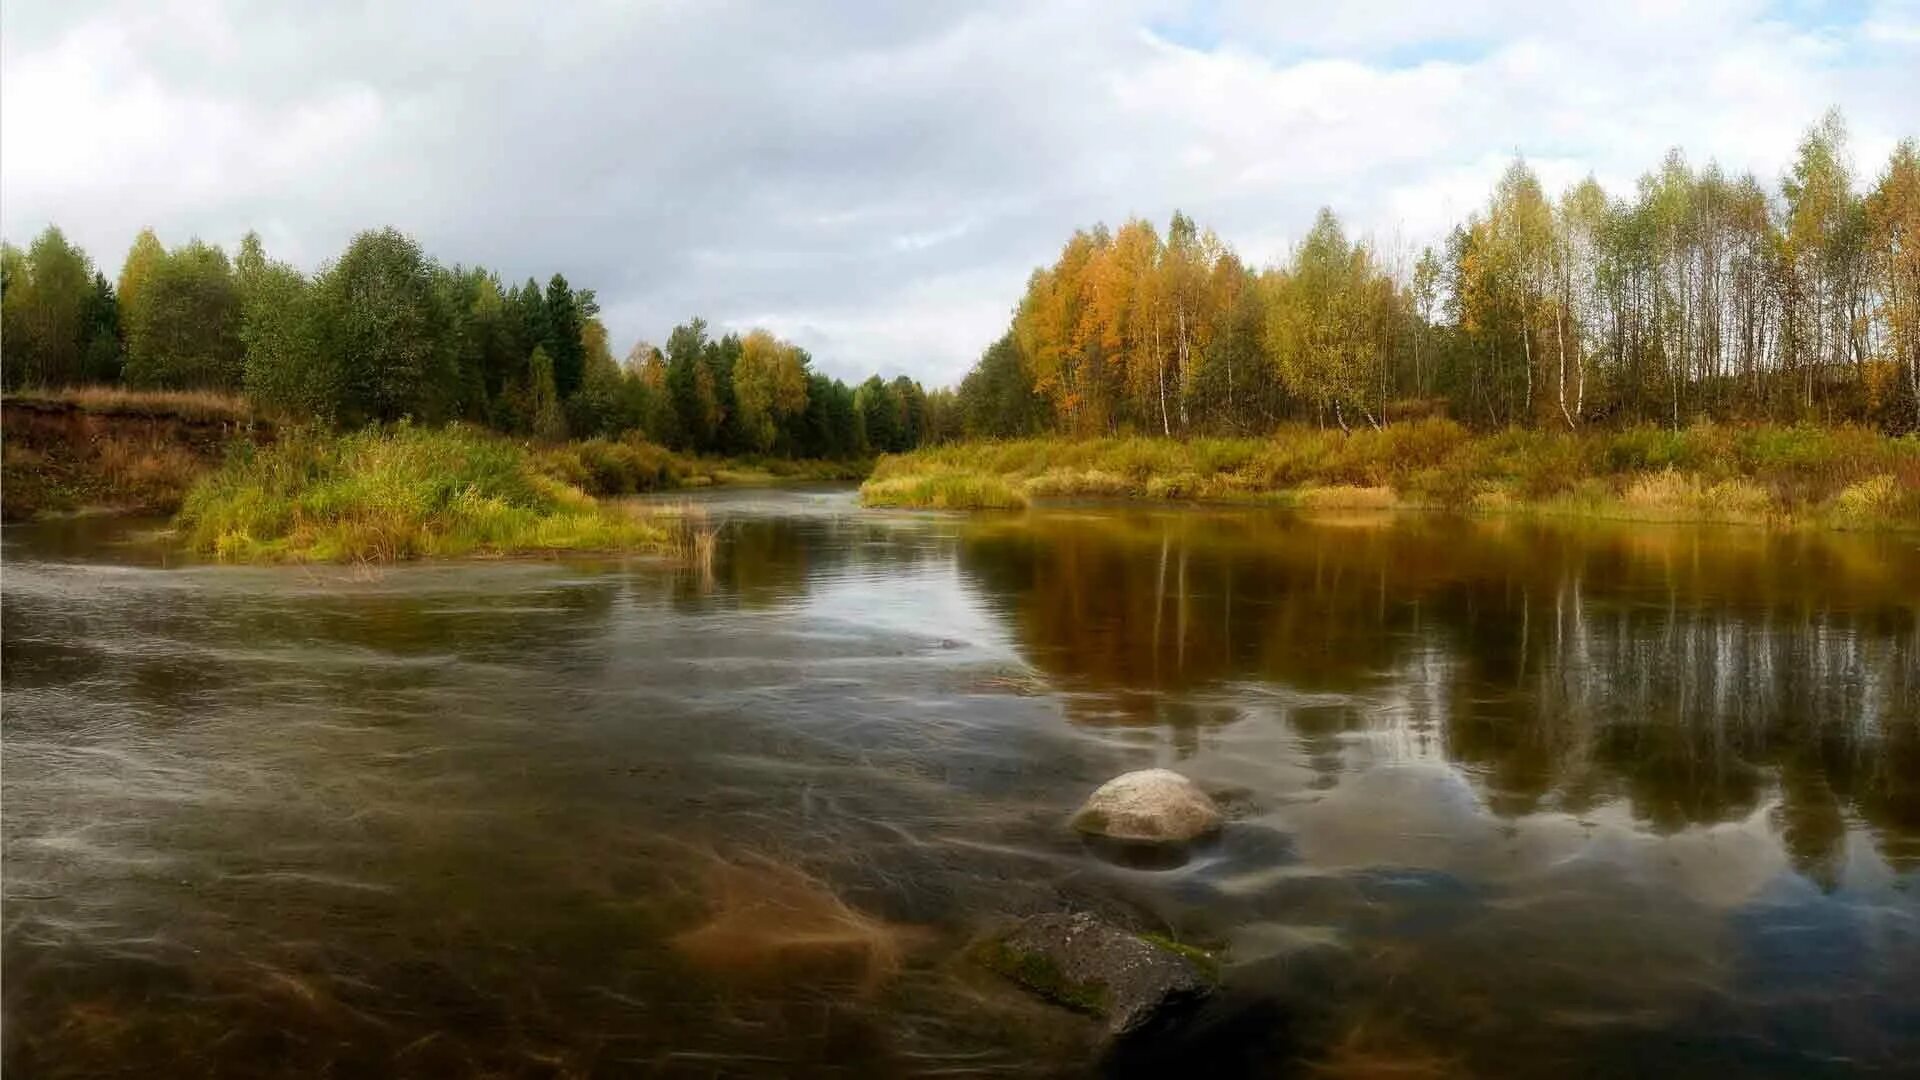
(1506, 798)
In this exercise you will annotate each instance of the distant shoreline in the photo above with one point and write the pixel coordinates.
(1804, 476)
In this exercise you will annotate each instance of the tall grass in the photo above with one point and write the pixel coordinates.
(630, 465)
(1841, 476)
(190, 405)
(403, 492)
(951, 490)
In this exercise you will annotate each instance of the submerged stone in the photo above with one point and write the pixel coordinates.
(1151, 806)
(1084, 964)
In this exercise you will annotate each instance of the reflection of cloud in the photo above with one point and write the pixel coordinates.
(1432, 817)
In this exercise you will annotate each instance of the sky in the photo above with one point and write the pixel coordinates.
(875, 180)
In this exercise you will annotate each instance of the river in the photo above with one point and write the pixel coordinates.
(1506, 797)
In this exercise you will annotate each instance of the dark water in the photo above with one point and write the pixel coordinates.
(1508, 799)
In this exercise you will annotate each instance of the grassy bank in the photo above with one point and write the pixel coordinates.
(1837, 477)
(404, 492)
(106, 448)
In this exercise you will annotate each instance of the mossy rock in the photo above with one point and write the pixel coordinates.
(1129, 980)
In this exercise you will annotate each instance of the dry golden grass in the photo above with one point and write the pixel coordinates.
(943, 491)
(1347, 497)
(192, 405)
(1675, 496)
(1844, 476)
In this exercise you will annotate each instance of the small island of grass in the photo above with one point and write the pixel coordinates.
(402, 492)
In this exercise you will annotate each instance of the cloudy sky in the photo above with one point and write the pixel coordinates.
(876, 179)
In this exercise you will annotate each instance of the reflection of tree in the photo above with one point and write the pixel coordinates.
(1696, 673)
(1171, 602)
(768, 562)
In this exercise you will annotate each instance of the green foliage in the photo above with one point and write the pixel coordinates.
(690, 388)
(541, 407)
(382, 330)
(881, 418)
(769, 385)
(396, 493)
(283, 331)
(385, 333)
(103, 354)
(57, 317)
(184, 322)
(608, 401)
(563, 340)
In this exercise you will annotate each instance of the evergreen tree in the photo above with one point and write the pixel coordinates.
(104, 354)
(562, 336)
(879, 411)
(693, 404)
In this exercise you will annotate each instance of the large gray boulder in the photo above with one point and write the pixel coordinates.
(1151, 806)
(1091, 966)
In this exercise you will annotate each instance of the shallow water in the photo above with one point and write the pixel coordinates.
(1507, 798)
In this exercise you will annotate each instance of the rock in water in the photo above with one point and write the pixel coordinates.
(1085, 964)
(1154, 806)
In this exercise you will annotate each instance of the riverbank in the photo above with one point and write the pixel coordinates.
(109, 449)
(247, 489)
(1838, 477)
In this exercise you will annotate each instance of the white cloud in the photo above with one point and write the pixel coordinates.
(878, 182)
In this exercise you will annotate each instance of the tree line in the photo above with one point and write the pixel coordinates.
(386, 332)
(1702, 295)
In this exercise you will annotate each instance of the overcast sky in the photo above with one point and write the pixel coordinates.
(875, 180)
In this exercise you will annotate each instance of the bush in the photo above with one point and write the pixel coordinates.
(626, 466)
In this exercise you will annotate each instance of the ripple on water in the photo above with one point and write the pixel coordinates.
(1504, 798)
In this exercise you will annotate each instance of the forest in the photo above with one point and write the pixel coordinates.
(385, 332)
(1700, 296)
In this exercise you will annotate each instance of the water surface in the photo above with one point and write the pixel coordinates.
(1508, 798)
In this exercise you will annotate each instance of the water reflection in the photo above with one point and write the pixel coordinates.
(1508, 798)
(1693, 673)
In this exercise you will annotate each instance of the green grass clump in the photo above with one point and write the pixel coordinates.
(398, 493)
(943, 491)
